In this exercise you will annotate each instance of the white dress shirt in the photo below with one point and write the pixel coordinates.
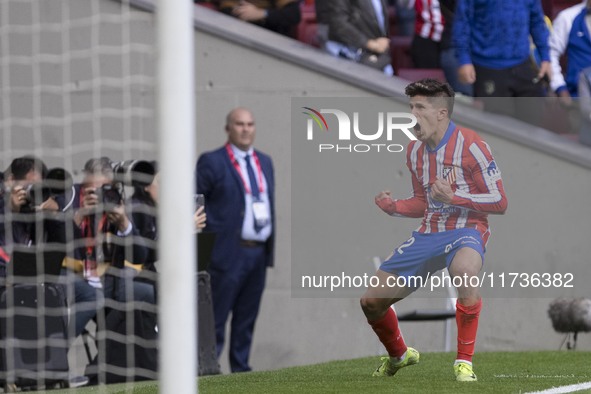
(248, 232)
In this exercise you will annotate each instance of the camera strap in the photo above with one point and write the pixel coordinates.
(90, 240)
(4, 256)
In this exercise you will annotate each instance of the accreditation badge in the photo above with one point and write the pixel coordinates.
(261, 213)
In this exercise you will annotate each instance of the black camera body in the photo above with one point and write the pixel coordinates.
(110, 194)
(35, 195)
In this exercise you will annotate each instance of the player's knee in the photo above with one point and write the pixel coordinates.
(469, 299)
(373, 306)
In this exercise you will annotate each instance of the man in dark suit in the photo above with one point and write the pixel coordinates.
(358, 30)
(238, 185)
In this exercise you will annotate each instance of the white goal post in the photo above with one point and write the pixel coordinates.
(82, 79)
(176, 130)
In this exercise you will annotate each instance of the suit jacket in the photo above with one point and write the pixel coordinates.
(220, 183)
(354, 22)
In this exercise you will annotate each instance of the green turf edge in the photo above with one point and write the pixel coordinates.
(498, 372)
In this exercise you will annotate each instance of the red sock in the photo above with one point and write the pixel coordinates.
(387, 330)
(467, 321)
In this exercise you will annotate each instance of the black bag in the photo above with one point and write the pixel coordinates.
(146, 357)
(20, 364)
(207, 352)
(117, 344)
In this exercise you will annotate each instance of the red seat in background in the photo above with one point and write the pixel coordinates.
(393, 21)
(400, 51)
(557, 6)
(209, 5)
(415, 74)
(306, 31)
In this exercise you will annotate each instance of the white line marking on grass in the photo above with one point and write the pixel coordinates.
(564, 389)
(531, 376)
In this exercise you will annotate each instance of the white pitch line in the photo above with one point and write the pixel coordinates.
(564, 389)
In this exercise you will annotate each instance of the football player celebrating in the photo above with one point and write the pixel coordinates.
(456, 184)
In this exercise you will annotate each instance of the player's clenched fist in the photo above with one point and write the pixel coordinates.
(441, 191)
(385, 202)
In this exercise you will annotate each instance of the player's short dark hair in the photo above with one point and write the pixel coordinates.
(21, 166)
(100, 165)
(432, 88)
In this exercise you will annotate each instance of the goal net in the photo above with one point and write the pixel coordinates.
(78, 293)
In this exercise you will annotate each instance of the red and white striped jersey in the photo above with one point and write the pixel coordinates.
(429, 20)
(466, 162)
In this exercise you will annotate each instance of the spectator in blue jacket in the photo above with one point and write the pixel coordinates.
(493, 48)
(571, 35)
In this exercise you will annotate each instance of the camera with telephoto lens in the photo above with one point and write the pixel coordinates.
(110, 194)
(57, 182)
(134, 172)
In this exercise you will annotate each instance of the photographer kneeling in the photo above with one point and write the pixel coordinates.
(110, 249)
(25, 203)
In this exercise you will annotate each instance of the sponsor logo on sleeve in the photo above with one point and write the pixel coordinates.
(493, 171)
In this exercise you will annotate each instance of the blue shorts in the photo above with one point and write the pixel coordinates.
(424, 254)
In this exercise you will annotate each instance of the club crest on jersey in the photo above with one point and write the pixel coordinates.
(449, 174)
(493, 171)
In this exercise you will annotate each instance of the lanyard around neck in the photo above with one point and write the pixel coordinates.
(236, 165)
(87, 233)
(4, 255)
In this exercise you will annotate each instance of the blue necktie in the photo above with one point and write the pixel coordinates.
(254, 189)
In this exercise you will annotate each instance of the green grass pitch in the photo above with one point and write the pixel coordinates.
(498, 372)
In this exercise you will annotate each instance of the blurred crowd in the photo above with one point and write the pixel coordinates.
(494, 50)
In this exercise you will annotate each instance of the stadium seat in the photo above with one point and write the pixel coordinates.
(547, 8)
(415, 74)
(393, 21)
(308, 33)
(400, 51)
(559, 5)
(209, 5)
(308, 11)
(308, 26)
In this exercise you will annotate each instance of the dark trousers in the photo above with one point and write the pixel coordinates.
(511, 91)
(120, 285)
(239, 290)
(84, 300)
(425, 53)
